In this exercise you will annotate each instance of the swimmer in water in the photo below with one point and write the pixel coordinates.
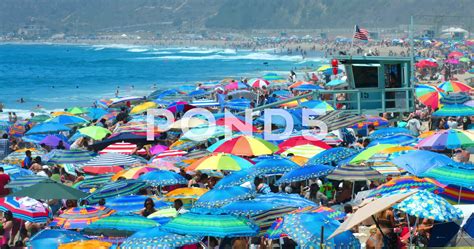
(21, 100)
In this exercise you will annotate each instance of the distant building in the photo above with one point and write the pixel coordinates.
(34, 31)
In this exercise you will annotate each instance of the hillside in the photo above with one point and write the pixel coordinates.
(84, 16)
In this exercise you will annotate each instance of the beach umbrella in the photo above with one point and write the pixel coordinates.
(407, 183)
(332, 139)
(283, 199)
(401, 139)
(141, 108)
(123, 148)
(132, 173)
(68, 120)
(48, 128)
(454, 86)
(418, 162)
(115, 189)
(156, 238)
(454, 111)
(109, 162)
(49, 189)
(336, 83)
(204, 133)
(455, 54)
(96, 113)
(369, 152)
(170, 153)
(307, 87)
(219, 197)
(163, 178)
(92, 182)
(95, 132)
(53, 141)
(237, 178)
(180, 106)
(80, 217)
(274, 165)
(453, 61)
(188, 123)
(220, 161)
(426, 63)
(18, 156)
(132, 203)
(39, 118)
(249, 207)
(86, 244)
(26, 209)
(157, 148)
(455, 98)
(388, 154)
(313, 230)
(77, 110)
(52, 238)
(305, 151)
(185, 193)
(259, 83)
(25, 181)
(428, 95)
(448, 139)
(424, 204)
(15, 171)
(389, 131)
(246, 146)
(301, 140)
(211, 225)
(452, 175)
(17, 129)
(317, 105)
(354, 173)
(331, 156)
(305, 173)
(119, 225)
(229, 122)
(376, 121)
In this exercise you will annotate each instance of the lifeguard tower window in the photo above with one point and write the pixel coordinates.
(393, 76)
(365, 76)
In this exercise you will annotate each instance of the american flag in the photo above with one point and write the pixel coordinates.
(361, 34)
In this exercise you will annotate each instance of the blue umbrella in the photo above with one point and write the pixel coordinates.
(236, 178)
(68, 156)
(25, 181)
(67, 119)
(305, 173)
(163, 178)
(455, 98)
(307, 87)
(219, 197)
(119, 225)
(282, 93)
(332, 156)
(400, 139)
(47, 128)
(131, 203)
(96, 113)
(305, 229)
(15, 171)
(454, 111)
(248, 207)
(281, 199)
(157, 238)
(114, 189)
(274, 165)
(198, 93)
(419, 161)
(389, 131)
(336, 82)
(49, 238)
(296, 115)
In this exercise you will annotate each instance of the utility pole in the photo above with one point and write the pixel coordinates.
(412, 53)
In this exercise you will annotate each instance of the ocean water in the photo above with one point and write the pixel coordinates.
(59, 76)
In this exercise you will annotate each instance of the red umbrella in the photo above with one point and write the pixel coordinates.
(301, 140)
(96, 170)
(455, 54)
(426, 63)
(123, 148)
(260, 83)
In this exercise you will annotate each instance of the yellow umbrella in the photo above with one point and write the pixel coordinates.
(293, 103)
(305, 150)
(396, 149)
(299, 160)
(62, 113)
(143, 107)
(427, 134)
(132, 173)
(187, 123)
(86, 244)
(186, 193)
(323, 68)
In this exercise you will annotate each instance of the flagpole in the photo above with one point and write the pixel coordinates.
(352, 42)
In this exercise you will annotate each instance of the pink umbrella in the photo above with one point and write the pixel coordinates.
(452, 61)
(455, 54)
(157, 149)
(232, 86)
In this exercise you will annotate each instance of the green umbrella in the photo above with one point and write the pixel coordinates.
(94, 132)
(369, 152)
(77, 110)
(49, 189)
(39, 118)
(465, 59)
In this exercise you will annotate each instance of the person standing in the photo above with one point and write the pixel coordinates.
(4, 146)
(28, 161)
(4, 180)
(414, 125)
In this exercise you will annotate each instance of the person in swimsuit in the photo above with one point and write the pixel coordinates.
(149, 207)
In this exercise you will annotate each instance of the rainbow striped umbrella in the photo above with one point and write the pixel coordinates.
(454, 111)
(119, 225)
(80, 217)
(219, 197)
(132, 173)
(26, 209)
(406, 183)
(246, 146)
(118, 188)
(211, 225)
(452, 175)
(454, 86)
(428, 95)
(369, 152)
(156, 238)
(448, 139)
(220, 161)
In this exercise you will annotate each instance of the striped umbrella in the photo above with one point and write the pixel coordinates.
(301, 140)
(25, 181)
(109, 162)
(119, 188)
(428, 95)
(448, 139)
(123, 148)
(170, 153)
(26, 209)
(354, 173)
(400, 139)
(237, 178)
(219, 197)
(220, 161)
(332, 139)
(292, 200)
(406, 183)
(454, 111)
(305, 173)
(163, 178)
(18, 156)
(15, 171)
(132, 203)
(246, 146)
(119, 225)
(369, 152)
(69, 156)
(259, 83)
(452, 175)
(305, 150)
(156, 238)
(332, 156)
(389, 131)
(91, 182)
(274, 165)
(211, 225)
(80, 217)
(454, 86)
(185, 193)
(132, 173)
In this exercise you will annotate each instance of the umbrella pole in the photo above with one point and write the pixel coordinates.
(459, 195)
(321, 244)
(409, 229)
(385, 239)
